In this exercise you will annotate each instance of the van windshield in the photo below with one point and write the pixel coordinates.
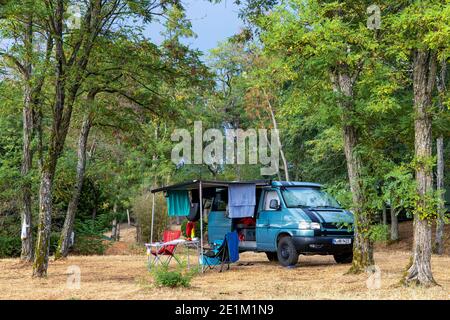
(308, 197)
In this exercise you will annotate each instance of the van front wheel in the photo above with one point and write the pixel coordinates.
(286, 252)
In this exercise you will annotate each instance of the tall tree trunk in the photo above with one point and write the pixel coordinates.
(394, 225)
(114, 223)
(64, 240)
(275, 126)
(26, 216)
(424, 74)
(384, 218)
(362, 246)
(439, 239)
(49, 165)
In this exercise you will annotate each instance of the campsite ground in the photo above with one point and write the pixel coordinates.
(124, 276)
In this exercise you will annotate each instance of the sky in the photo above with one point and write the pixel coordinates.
(211, 22)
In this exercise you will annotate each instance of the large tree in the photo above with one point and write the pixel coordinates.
(419, 34)
(326, 44)
(73, 48)
(23, 25)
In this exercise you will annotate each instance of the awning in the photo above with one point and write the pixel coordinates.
(195, 184)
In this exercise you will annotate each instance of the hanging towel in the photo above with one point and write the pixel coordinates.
(241, 200)
(233, 246)
(178, 203)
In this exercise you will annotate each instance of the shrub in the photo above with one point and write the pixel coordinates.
(89, 245)
(166, 278)
(142, 211)
(54, 238)
(89, 237)
(379, 233)
(10, 247)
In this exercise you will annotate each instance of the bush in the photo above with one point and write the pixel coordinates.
(165, 278)
(142, 211)
(89, 245)
(379, 233)
(89, 236)
(54, 238)
(10, 247)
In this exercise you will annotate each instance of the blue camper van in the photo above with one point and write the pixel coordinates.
(290, 218)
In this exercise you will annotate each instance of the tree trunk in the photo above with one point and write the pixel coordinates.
(114, 223)
(45, 219)
(439, 240)
(64, 241)
(114, 230)
(424, 77)
(27, 115)
(442, 90)
(394, 225)
(385, 214)
(275, 126)
(362, 246)
(56, 144)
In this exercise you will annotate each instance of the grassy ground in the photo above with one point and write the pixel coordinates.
(315, 277)
(122, 274)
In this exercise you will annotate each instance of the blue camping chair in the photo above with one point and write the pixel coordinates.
(223, 252)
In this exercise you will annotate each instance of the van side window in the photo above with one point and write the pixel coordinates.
(270, 195)
(220, 200)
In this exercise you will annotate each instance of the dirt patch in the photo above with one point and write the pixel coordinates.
(126, 277)
(127, 244)
(406, 238)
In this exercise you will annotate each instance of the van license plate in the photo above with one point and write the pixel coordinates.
(342, 241)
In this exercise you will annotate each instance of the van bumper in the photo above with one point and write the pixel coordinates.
(322, 245)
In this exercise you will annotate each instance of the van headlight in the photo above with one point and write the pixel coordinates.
(304, 225)
(315, 225)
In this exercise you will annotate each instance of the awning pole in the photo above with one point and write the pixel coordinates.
(201, 222)
(153, 217)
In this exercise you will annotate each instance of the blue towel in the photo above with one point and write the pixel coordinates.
(178, 203)
(233, 246)
(241, 200)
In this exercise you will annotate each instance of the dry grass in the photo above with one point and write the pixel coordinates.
(126, 277)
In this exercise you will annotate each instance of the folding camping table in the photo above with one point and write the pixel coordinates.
(154, 259)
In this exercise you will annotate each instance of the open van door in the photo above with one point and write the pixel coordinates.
(269, 217)
(218, 222)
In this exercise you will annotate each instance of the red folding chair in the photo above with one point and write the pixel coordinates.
(164, 253)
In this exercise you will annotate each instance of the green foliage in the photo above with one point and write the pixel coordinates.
(379, 233)
(172, 278)
(10, 247)
(399, 189)
(89, 245)
(142, 211)
(89, 239)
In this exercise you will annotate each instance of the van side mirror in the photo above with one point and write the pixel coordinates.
(274, 204)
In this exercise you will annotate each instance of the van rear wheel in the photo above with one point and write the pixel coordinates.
(286, 252)
(272, 256)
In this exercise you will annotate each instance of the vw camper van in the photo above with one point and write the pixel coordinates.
(290, 218)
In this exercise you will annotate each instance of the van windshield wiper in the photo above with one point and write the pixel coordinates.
(326, 207)
(301, 206)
